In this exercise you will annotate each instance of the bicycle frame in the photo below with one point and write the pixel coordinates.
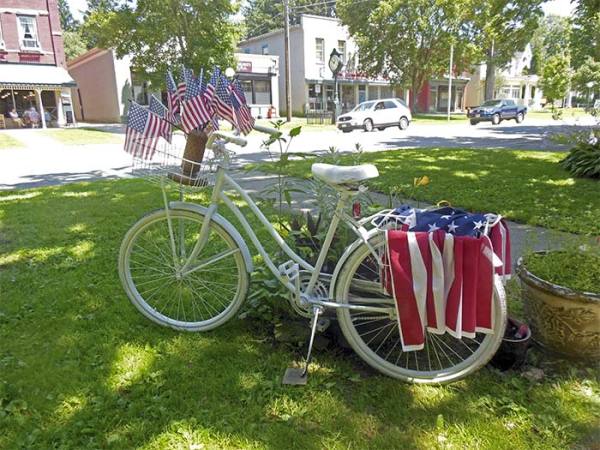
(223, 182)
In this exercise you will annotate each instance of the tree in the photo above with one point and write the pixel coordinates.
(408, 41)
(74, 44)
(588, 72)
(502, 27)
(67, 22)
(262, 16)
(585, 40)
(163, 34)
(553, 37)
(556, 78)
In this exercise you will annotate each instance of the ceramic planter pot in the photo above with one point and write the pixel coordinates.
(562, 320)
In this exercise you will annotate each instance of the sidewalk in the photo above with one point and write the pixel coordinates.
(524, 238)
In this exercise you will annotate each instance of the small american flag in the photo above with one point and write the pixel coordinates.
(143, 132)
(183, 86)
(195, 111)
(224, 106)
(172, 99)
(244, 117)
(161, 111)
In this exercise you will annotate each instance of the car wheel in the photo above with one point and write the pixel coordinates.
(368, 125)
(473, 122)
(519, 117)
(403, 123)
(496, 119)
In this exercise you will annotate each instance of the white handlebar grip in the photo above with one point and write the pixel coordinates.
(267, 130)
(231, 138)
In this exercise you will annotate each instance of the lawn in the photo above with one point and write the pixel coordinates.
(7, 141)
(439, 119)
(81, 368)
(80, 136)
(525, 186)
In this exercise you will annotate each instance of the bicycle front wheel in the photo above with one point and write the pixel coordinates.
(375, 336)
(200, 300)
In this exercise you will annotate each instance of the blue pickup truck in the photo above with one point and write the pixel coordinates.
(496, 111)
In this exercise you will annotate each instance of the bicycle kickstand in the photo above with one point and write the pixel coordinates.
(296, 375)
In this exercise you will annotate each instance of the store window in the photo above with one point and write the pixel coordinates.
(28, 32)
(262, 92)
(385, 92)
(362, 93)
(320, 50)
(373, 92)
(342, 49)
(247, 89)
(265, 49)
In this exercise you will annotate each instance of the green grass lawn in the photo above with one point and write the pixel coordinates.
(525, 186)
(79, 136)
(81, 368)
(438, 119)
(567, 113)
(7, 141)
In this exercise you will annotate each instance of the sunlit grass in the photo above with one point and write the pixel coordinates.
(80, 136)
(80, 367)
(7, 141)
(525, 186)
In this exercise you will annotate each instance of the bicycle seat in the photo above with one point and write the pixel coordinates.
(332, 174)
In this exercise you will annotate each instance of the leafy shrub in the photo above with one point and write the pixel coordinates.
(583, 160)
(575, 268)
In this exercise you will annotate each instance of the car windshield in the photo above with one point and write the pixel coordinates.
(492, 103)
(363, 106)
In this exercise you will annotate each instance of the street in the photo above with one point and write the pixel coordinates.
(45, 161)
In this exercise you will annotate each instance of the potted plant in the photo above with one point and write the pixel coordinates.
(561, 290)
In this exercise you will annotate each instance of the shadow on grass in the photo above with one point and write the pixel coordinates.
(81, 368)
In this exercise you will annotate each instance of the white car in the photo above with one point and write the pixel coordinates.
(380, 114)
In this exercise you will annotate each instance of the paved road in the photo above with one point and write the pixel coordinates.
(45, 161)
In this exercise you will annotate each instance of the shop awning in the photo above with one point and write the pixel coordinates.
(34, 76)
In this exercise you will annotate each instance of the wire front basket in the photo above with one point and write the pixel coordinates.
(169, 167)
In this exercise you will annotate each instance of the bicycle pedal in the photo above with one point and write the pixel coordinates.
(295, 376)
(289, 269)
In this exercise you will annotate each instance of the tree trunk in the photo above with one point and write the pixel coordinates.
(193, 153)
(490, 79)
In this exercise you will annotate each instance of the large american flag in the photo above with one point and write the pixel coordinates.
(224, 107)
(244, 117)
(440, 267)
(172, 99)
(142, 132)
(195, 111)
(161, 111)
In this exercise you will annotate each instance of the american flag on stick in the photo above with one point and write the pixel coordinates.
(186, 81)
(195, 111)
(161, 111)
(224, 106)
(244, 117)
(172, 99)
(143, 132)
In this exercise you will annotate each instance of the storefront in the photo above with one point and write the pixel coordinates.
(40, 95)
(320, 93)
(259, 77)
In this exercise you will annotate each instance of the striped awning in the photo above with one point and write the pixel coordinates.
(34, 76)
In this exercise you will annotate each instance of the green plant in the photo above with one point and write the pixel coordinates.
(583, 160)
(577, 268)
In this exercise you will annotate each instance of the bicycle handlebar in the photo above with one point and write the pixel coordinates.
(238, 140)
(267, 130)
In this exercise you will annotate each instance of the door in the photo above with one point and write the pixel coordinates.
(391, 112)
(378, 113)
(509, 109)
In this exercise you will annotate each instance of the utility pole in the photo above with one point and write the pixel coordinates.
(286, 44)
(450, 79)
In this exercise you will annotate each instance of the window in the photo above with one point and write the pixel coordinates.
(28, 32)
(342, 49)
(265, 49)
(2, 45)
(320, 50)
(262, 92)
(388, 104)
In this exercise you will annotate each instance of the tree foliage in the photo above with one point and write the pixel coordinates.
(262, 16)
(553, 37)
(585, 40)
(67, 22)
(162, 34)
(74, 44)
(556, 77)
(588, 72)
(409, 41)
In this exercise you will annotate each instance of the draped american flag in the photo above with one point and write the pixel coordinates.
(224, 107)
(143, 132)
(195, 111)
(244, 117)
(172, 99)
(210, 97)
(440, 270)
(161, 111)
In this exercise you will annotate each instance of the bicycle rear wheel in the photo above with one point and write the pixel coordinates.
(202, 299)
(376, 339)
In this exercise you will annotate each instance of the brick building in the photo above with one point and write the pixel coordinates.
(32, 62)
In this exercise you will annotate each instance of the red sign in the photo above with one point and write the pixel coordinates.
(29, 57)
(244, 66)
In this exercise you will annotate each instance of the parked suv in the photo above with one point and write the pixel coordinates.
(380, 114)
(496, 111)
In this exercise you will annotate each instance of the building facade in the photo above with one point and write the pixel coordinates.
(106, 84)
(32, 63)
(311, 42)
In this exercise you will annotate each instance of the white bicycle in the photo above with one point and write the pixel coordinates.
(186, 267)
